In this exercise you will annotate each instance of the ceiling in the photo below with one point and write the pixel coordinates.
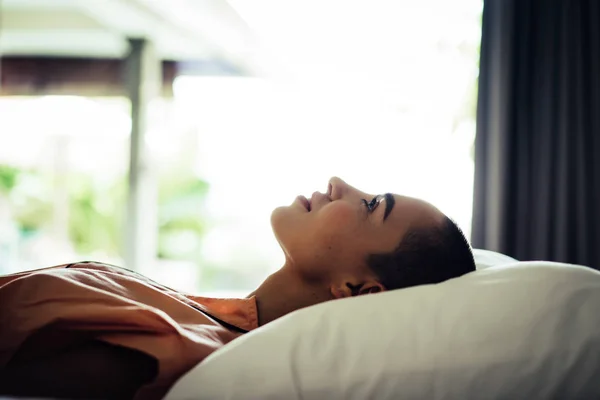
(179, 29)
(383, 40)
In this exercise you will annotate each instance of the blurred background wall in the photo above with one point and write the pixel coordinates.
(160, 134)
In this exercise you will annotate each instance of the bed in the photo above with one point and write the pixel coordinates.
(508, 330)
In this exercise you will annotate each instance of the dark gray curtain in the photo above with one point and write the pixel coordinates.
(537, 149)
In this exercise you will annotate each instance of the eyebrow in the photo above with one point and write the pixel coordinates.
(389, 204)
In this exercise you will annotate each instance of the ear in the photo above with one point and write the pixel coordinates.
(347, 288)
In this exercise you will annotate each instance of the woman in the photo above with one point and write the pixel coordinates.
(90, 330)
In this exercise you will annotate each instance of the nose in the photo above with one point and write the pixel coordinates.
(338, 189)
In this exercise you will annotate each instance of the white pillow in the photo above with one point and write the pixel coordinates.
(487, 258)
(524, 330)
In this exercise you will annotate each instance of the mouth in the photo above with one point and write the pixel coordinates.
(305, 202)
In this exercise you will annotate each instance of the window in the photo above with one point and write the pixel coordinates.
(384, 98)
(63, 166)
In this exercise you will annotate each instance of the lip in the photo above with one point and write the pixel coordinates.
(304, 201)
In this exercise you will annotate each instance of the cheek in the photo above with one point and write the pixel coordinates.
(330, 237)
(337, 237)
(337, 223)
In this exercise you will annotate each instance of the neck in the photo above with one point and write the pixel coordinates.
(285, 291)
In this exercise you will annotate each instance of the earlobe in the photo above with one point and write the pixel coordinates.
(371, 287)
(341, 291)
(348, 289)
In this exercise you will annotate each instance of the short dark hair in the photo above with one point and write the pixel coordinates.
(425, 256)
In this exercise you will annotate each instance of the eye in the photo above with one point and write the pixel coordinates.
(372, 205)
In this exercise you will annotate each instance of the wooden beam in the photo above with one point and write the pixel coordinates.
(35, 76)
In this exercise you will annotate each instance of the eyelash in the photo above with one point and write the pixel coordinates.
(372, 204)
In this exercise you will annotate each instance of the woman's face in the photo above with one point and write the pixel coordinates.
(331, 234)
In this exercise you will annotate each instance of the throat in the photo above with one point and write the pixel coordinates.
(284, 292)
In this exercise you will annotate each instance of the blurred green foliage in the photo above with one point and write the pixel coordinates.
(96, 209)
(8, 178)
(27, 195)
(181, 221)
(95, 213)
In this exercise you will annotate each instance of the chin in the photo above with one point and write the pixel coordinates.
(278, 221)
(276, 214)
(285, 227)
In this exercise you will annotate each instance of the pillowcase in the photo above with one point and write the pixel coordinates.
(521, 330)
(487, 258)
